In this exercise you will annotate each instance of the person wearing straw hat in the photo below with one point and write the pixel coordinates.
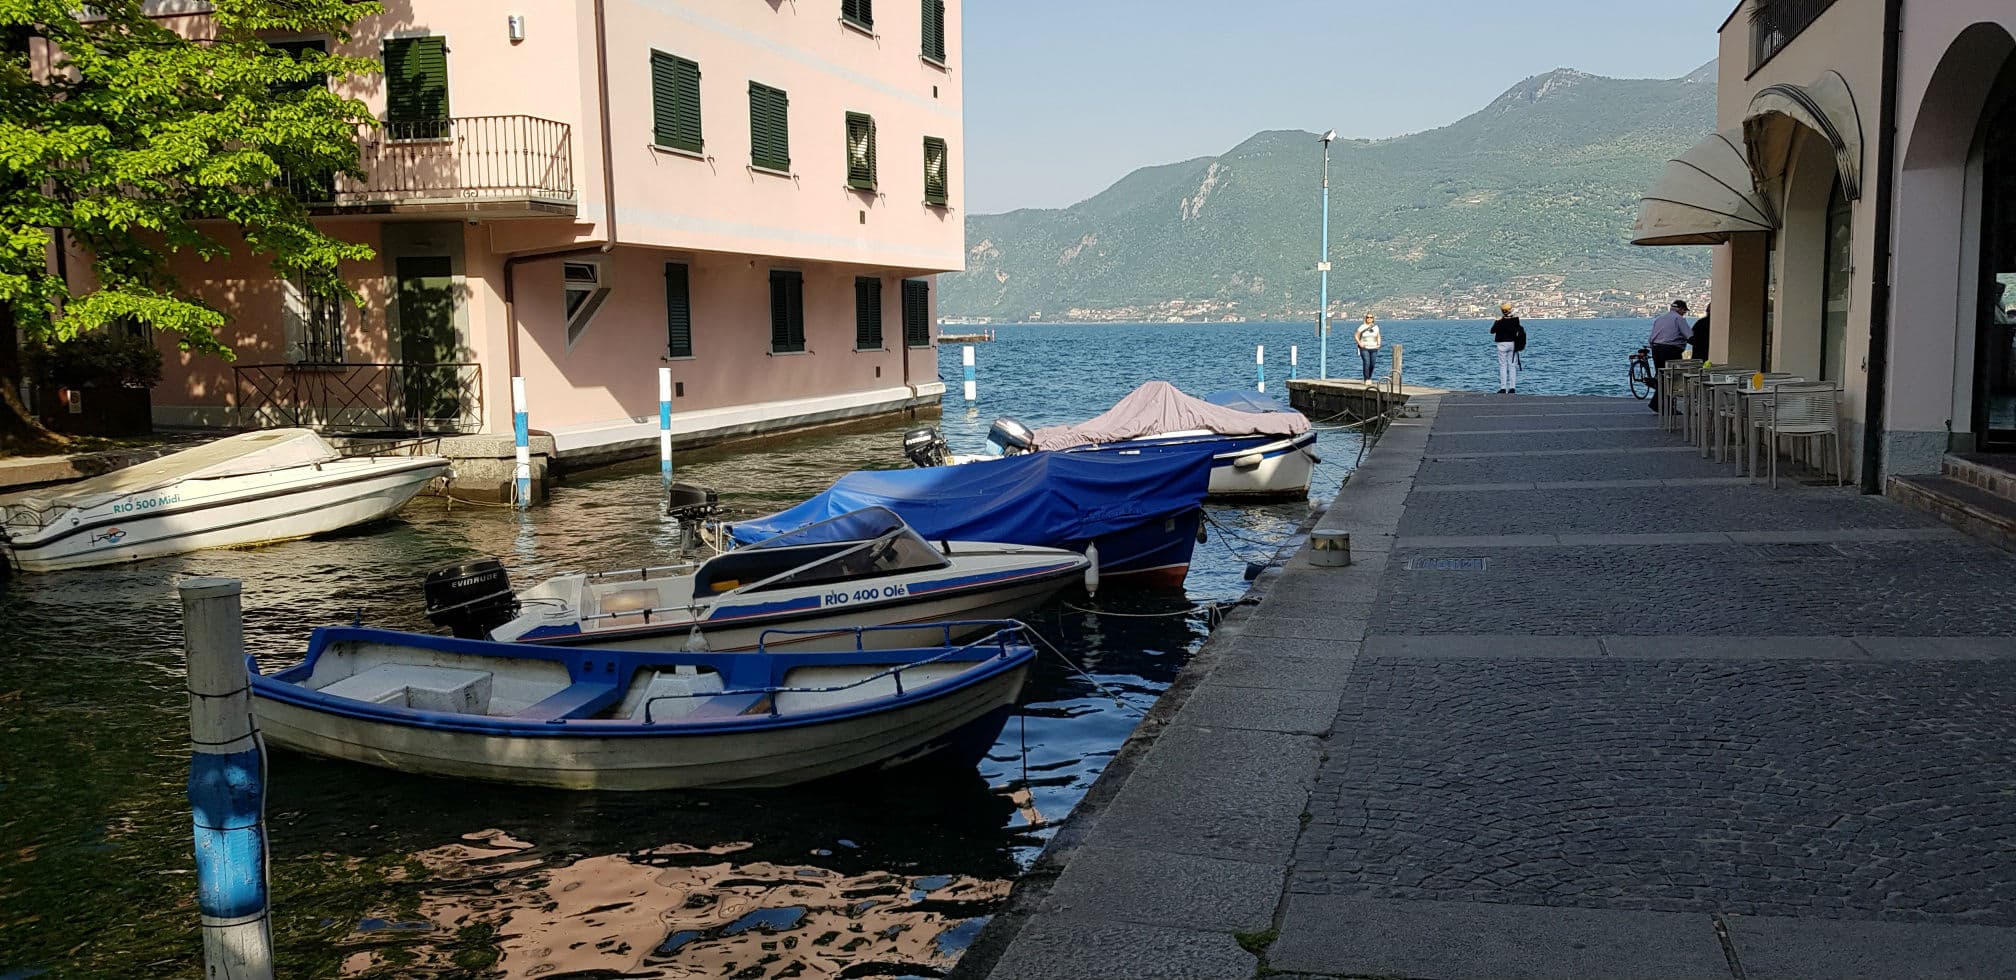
(1510, 336)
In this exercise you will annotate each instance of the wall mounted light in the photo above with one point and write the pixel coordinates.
(515, 24)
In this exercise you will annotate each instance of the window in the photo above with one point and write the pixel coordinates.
(1839, 278)
(416, 88)
(787, 312)
(314, 325)
(937, 186)
(860, 152)
(678, 312)
(934, 30)
(584, 294)
(675, 102)
(860, 12)
(916, 313)
(769, 128)
(867, 313)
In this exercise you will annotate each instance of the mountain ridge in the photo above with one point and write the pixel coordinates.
(1530, 196)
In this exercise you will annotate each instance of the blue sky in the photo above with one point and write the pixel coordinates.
(1063, 97)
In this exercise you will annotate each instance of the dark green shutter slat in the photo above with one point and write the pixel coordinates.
(416, 80)
(867, 313)
(934, 29)
(860, 167)
(916, 313)
(678, 312)
(859, 11)
(787, 312)
(675, 102)
(769, 127)
(937, 171)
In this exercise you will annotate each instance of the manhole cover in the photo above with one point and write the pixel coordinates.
(1446, 564)
(1796, 552)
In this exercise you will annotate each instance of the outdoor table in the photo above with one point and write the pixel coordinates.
(1697, 397)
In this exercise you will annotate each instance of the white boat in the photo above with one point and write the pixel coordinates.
(626, 720)
(863, 568)
(247, 489)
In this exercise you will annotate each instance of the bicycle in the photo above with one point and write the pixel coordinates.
(1643, 382)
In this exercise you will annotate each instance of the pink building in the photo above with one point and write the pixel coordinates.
(580, 192)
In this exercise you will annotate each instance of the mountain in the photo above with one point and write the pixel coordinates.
(1531, 198)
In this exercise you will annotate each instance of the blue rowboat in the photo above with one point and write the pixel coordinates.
(627, 720)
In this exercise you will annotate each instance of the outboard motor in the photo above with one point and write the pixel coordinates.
(925, 447)
(1010, 436)
(472, 599)
(691, 503)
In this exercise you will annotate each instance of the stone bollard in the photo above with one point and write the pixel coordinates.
(1330, 549)
(227, 785)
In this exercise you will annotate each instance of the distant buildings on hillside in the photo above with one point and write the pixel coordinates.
(1540, 298)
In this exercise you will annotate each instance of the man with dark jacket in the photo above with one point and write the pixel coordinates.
(1510, 337)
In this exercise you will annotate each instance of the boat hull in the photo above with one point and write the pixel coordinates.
(947, 726)
(1242, 467)
(245, 512)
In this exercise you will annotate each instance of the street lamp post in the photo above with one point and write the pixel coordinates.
(1323, 267)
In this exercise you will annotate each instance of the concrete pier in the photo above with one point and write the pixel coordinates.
(1339, 399)
(1583, 704)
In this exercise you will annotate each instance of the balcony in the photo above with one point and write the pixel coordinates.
(1776, 23)
(489, 166)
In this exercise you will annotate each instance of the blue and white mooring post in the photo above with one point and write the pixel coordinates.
(227, 785)
(521, 435)
(1260, 365)
(1294, 363)
(665, 423)
(972, 377)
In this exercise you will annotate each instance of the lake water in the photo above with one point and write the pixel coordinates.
(375, 874)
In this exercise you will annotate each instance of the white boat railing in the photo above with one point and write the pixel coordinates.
(1005, 631)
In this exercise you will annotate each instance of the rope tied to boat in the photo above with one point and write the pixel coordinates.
(1110, 694)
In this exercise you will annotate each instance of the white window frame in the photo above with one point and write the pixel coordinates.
(593, 284)
(307, 315)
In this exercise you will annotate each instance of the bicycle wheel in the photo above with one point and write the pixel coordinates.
(1641, 380)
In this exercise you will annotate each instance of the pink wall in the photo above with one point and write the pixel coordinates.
(611, 373)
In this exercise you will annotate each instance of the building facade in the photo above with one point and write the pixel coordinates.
(1862, 197)
(581, 192)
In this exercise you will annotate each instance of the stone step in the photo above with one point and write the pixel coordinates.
(1965, 506)
(1995, 474)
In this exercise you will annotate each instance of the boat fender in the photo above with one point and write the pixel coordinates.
(1092, 568)
(696, 641)
(1201, 533)
(1314, 460)
(1250, 461)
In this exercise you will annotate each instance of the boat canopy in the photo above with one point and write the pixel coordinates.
(1039, 499)
(1159, 407)
(239, 455)
(1246, 400)
(1706, 195)
(865, 524)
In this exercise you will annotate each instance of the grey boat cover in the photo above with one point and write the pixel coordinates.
(1158, 407)
(239, 455)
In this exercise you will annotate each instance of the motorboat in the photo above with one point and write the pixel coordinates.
(865, 567)
(602, 719)
(1258, 449)
(251, 488)
(1135, 518)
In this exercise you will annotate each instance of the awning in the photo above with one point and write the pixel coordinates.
(1827, 107)
(1706, 195)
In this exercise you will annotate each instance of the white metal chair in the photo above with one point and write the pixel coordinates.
(1801, 411)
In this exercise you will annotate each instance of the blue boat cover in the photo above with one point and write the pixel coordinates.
(1038, 499)
(1246, 400)
(865, 524)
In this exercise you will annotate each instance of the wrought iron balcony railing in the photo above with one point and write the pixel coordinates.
(1775, 23)
(480, 163)
(390, 398)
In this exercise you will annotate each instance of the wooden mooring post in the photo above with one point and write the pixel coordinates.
(227, 785)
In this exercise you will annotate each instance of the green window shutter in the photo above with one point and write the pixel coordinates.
(916, 313)
(769, 127)
(937, 167)
(860, 151)
(787, 311)
(416, 86)
(675, 102)
(678, 312)
(867, 313)
(861, 12)
(934, 30)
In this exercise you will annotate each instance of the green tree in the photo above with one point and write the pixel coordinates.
(134, 142)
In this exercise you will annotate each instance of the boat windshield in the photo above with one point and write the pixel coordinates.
(895, 553)
(865, 524)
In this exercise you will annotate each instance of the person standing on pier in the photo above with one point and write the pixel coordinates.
(1510, 336)
(1670, 334)
(1368, 344)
